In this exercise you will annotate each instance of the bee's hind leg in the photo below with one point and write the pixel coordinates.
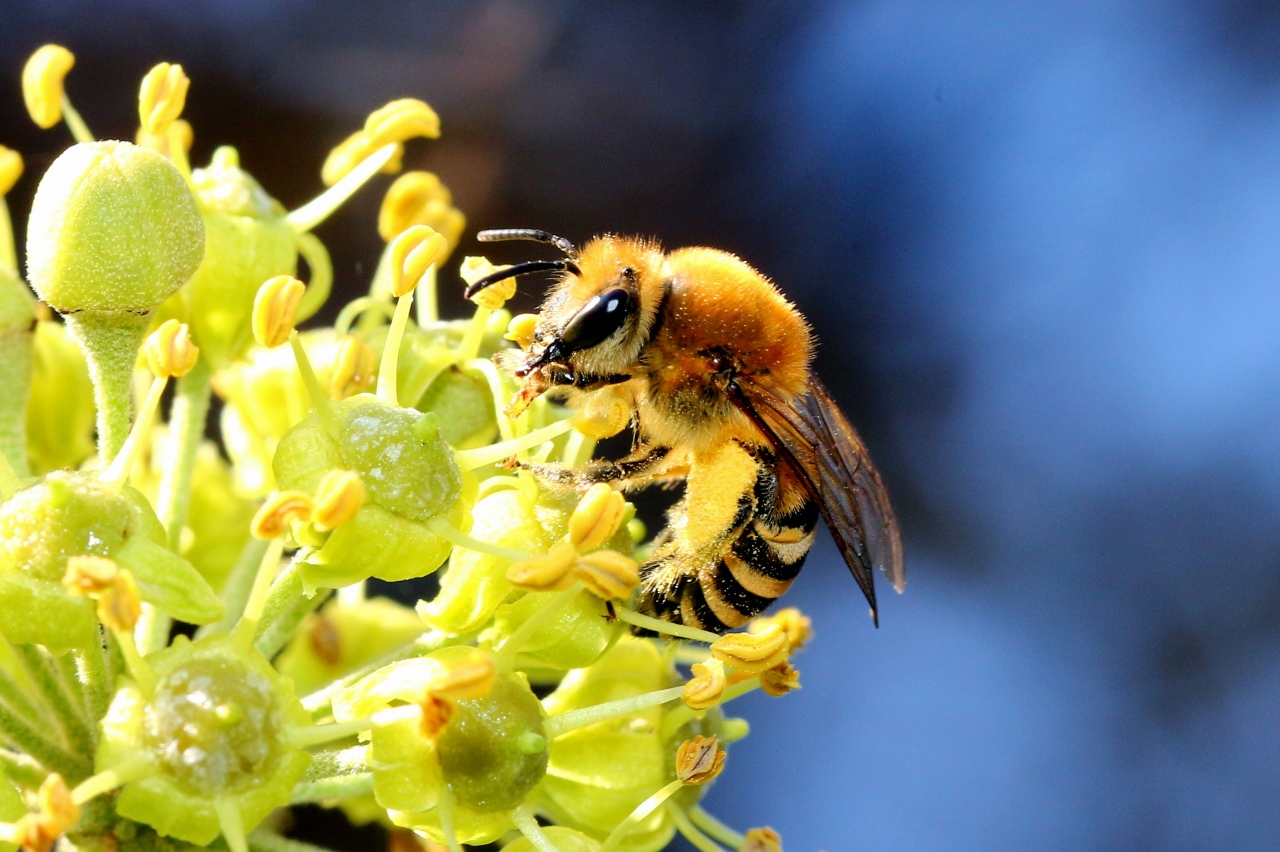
(581, 477)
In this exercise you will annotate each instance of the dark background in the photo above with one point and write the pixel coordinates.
(1038, 242)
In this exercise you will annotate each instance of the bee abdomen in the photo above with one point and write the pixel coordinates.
(754, 571)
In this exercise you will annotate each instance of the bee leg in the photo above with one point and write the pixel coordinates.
(581, 477)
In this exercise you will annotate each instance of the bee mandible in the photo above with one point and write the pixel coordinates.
(714, 366)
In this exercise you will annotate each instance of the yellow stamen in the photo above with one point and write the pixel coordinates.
(494, 296)
(275, 309)
(56, 803)
(161, 97)
(117, 776)
(763, 839)
(279, 511)
(608, 575)
(780, 680)
(402, 120)
(752, 652)
(355, 368)
(89, 575)
(707, 686)
(795, 624)
(118, 471)
(42, 83)
(412, 252)
(468, 679)
(597, 517)
(339, 497)
(353, 151)
(699, 760)
(548, 572)
(10, 169)
(169, 350)
(520, 330)
(120, 603)
(415, 198)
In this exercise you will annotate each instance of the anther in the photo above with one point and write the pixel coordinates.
(278, 511)
(780, 680)
(355, 368)
(42, 83)
(752, 652)
(10, 169)
(169, 350)
(521, 330)
(549, 572)
(761, 840)
(120, 603)
(474, 269)
(339, 497)
(275, 309)
(699, 760)
(468, 679)
(795, 624)
(608, 575)
(161, 97)
(89, 575)
(597, 517)
(707, 686)
(400, 121)
(412, 253)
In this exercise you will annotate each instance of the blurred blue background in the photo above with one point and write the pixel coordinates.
(1040, 244)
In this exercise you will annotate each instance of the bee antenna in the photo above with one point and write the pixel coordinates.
(520, 269)
(569, 249)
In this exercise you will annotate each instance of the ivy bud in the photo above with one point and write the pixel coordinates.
(114, 231)
(72, 514)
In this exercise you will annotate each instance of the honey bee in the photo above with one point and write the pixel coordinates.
(713, 364)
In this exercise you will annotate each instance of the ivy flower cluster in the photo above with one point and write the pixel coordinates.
(186, 643)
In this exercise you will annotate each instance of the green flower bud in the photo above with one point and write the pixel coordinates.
(409, 477)
(599, 773)
(341, 638)
(17, 322)
(464, 403)
(476, 583)
(60, 412)
(72, 514)
(576, 637)
(216, 728)
(114, 231)
(248, 241)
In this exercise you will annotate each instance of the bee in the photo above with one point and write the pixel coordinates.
(713, 365)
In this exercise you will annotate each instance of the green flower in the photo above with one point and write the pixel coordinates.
(214, 733)
(343, 637)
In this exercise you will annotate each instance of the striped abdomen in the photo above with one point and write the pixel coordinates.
(754, 570)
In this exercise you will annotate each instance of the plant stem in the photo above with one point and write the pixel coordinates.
(715, 827)
(336, 787)
(690, 831)
(563, 723)
(286, 606)
(187, 419)
(235, 592)
(92, 664)
(110, 341)
(524, 820)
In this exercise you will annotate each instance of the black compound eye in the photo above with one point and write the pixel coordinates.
(599, 318)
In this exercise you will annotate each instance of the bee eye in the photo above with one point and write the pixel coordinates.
(599, 318)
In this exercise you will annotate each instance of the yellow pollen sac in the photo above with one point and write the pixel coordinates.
(120, 604)
(400, 121)
(780, 680)
(520, 330)
(412, 254)
(89, 575)
(552, 571)
(355, 368)
(42, 78)
(278, 511)
(435, 715)
(493, 296)
(597, 517)
(414, 198)
(604, 415)
(169, 350)
(56, 802)
(707, 686)
(469, 679)
(761, 840)
(10, 169)
(752, 652)
(349, 153)
(162, 96)
(699, 760)
(794, 623)
(608, 575)
(275, 309)
(338, 498)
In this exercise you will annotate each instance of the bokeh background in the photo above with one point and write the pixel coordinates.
(1040, 244)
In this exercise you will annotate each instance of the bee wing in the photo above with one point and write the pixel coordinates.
(824, 449)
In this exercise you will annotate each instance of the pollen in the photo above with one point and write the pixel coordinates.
(752, 652)
(597, 517)
(552, 571)
(169, 350)
(412, 254)
(278, 511)
(120, 603)
(466, 680)
(275, 309)
(495, 296)
(400, 121)
(339, 497)
(763, 839)
(161, 97)
(794, 623)
(10, 169)
(42, 83)
(520, 330)
(707, 686)
(699, 760)
(608, 575)
(780, 680)
(89, 575)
